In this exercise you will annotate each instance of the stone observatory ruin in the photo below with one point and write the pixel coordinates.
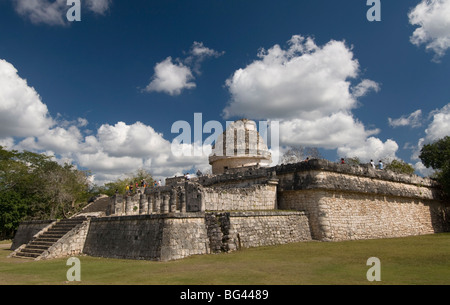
(244, 203)
(239, 146)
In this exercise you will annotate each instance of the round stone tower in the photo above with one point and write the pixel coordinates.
(239, 146)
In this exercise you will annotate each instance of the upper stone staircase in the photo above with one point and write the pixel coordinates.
(44, 241)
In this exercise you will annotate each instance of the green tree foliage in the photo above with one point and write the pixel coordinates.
(437, 156)
(299, 153)
(13, 209)
(33, 186)
(401, 167)
(353, 161)
(120, 185)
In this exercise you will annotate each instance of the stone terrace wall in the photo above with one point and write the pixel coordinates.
(358, 202)
(256, 197)
(347, 216)
(147, 237)
(194, 197)
(132, 237)
(238, 178)
(255, 229)
(27, 230)
(71, 244)
(306, 201)
(336, 216)
(178, 235)
(323, 174)
(183, 237)
(235, 230)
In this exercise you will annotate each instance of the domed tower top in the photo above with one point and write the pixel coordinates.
(239, 146)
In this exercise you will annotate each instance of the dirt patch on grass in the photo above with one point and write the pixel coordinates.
(4, 247)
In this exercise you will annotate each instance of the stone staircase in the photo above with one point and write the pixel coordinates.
(43, 242)
(97, 208)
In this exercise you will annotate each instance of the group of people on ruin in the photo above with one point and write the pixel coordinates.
(380, 165)
(133, 188)
(187, 176)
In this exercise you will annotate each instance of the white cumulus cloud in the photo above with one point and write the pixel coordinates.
(304, 81)
(414, 120)
(438, 128)
(42, 11)
(22, 113)
(55, 12)
(440, 125)
(328, 132)
(308, 89)
(171, 78)
(198, 53)
(98, 6)
(119, 149)
(174, 76)
(110, 152)
(371, 148)
(364, 87)
(433, 20)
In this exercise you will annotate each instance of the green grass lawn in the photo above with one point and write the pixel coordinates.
(420, 260)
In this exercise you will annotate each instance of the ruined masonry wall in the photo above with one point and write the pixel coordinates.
(27, 230)
(175, 236)
(71, 244)
(183, 237)
(133, 237)
(256, 197)
(268, 229)
(195, 198)
(147, 237)
(230, 231)
(345, 204)
(315, 200)
(349, 216)
(337, 216)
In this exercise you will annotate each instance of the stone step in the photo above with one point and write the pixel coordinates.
(66, 224)
(31, 251)
(52, 235)
(64, 227)
(39, 245)
(47, 239)
(57, 232)
(26, 255)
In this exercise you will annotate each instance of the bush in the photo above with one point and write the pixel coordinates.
(401, 167)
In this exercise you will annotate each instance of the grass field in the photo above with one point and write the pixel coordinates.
(421, 260)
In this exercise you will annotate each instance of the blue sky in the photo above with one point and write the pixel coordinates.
(104, 92)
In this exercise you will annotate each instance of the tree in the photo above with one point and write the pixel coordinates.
(33, 186)
(299, 153)
(131, 178)
(353, 161)
(401, 167)
(13, 208)
(437, 156)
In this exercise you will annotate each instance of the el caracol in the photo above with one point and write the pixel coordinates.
(244, 203)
